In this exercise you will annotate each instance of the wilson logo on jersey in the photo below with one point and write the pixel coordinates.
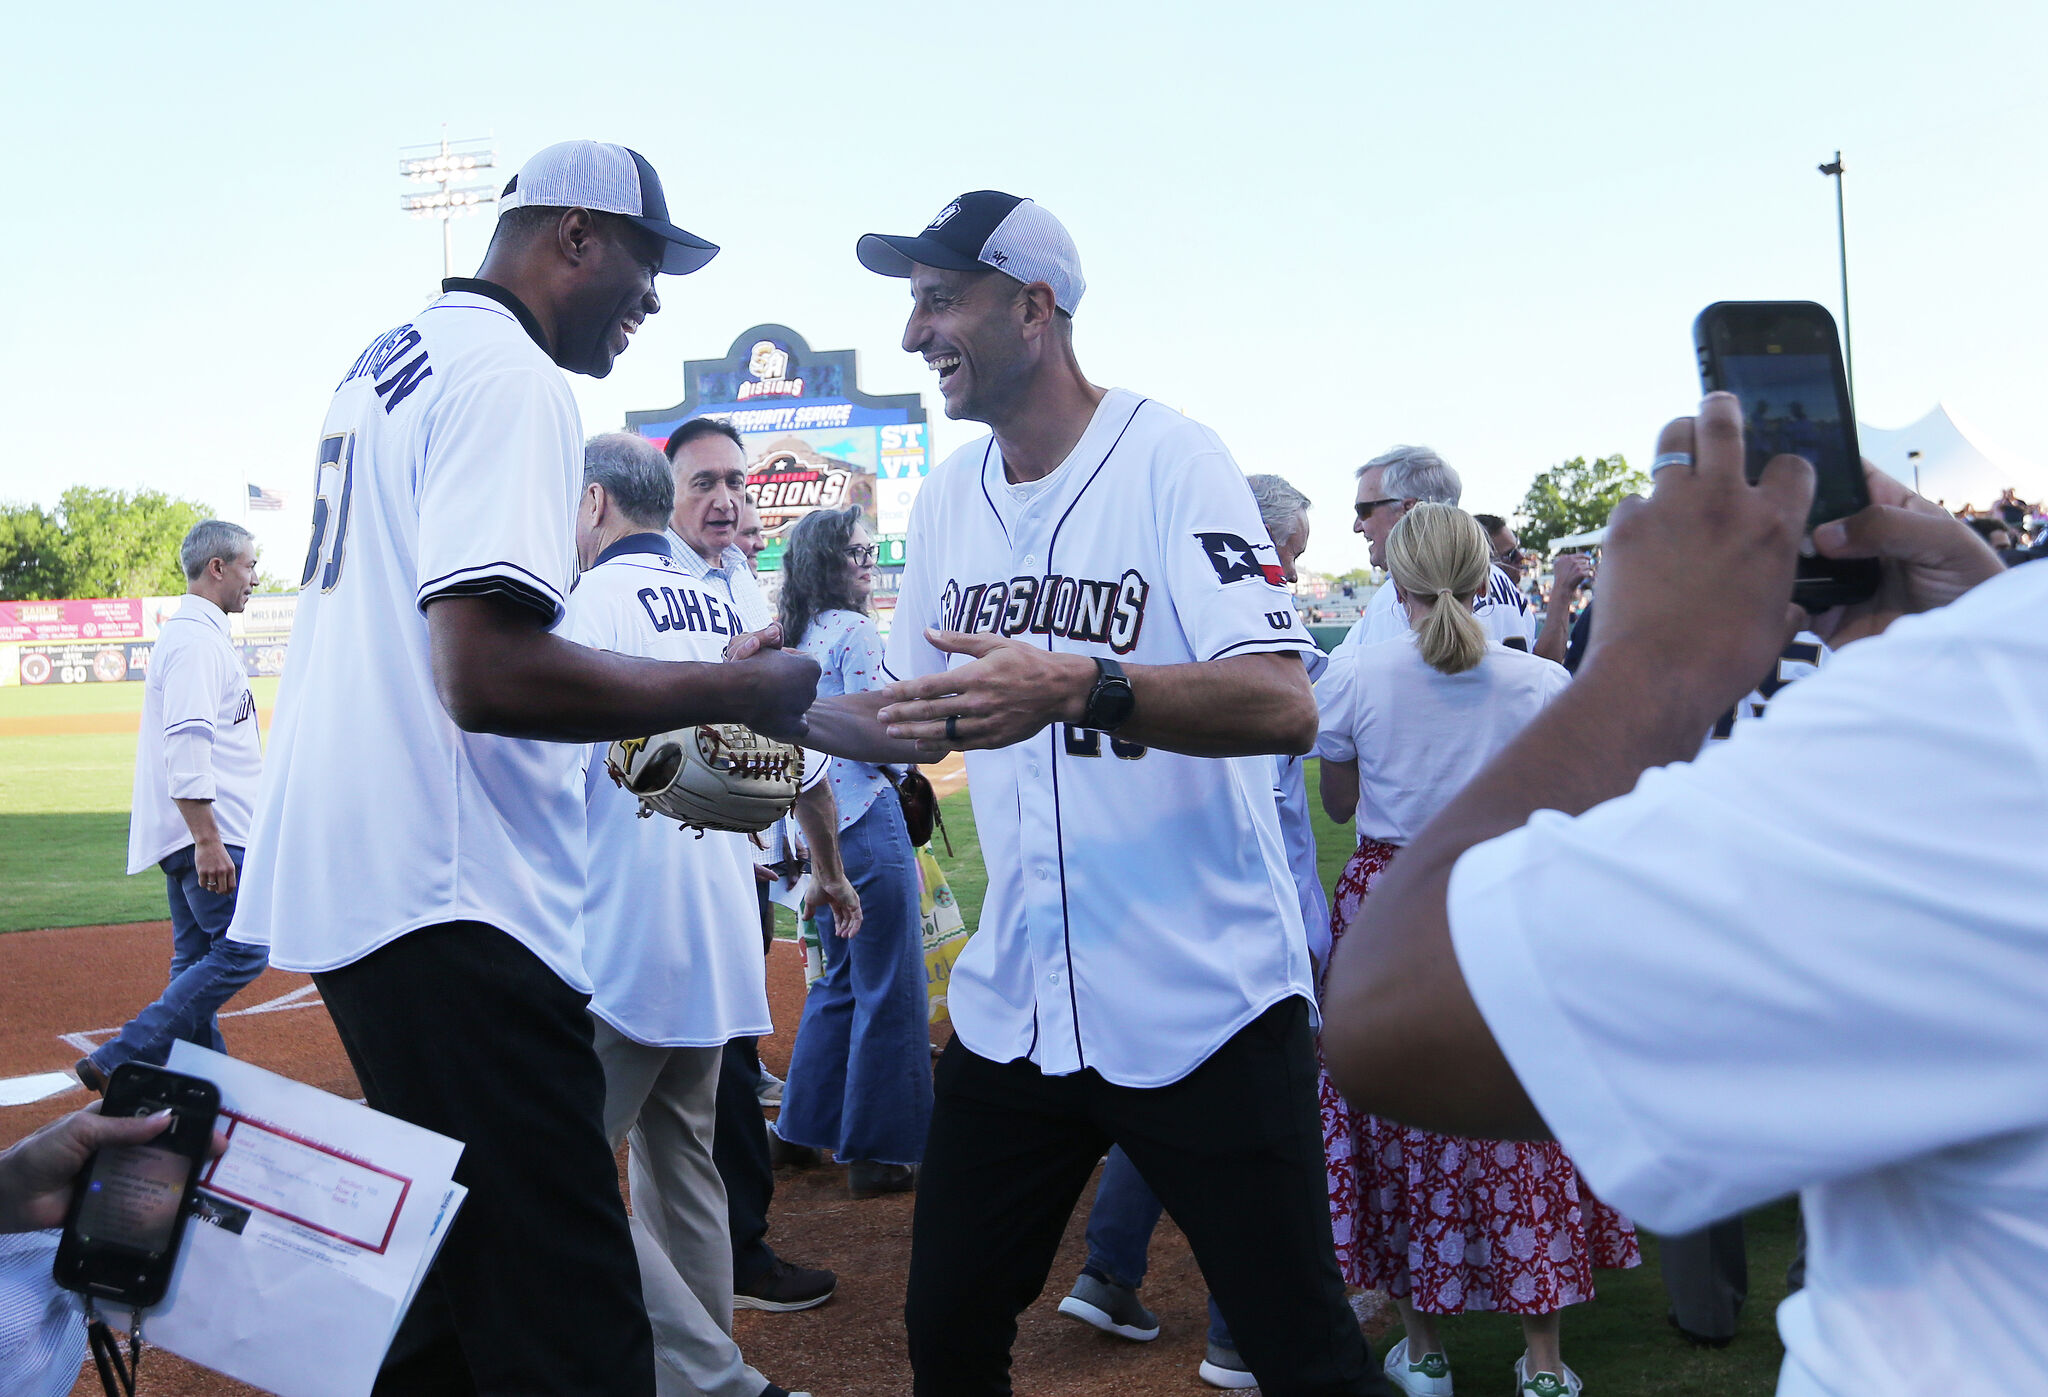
(1108, 613)
(1237, 561)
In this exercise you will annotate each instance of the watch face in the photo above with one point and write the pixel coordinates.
(1110, 703)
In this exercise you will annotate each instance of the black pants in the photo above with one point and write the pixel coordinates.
(1235, 1152)
(461, 1029)
(1706, 1275)
(739, 1147)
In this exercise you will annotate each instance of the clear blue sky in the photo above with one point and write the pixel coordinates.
(1321, 229)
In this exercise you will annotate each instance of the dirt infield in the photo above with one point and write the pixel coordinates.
(92, 978)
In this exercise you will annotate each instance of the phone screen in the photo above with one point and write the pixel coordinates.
(131, 1198)
(1789, 407)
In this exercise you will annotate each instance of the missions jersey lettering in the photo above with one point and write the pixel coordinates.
(1108, 613)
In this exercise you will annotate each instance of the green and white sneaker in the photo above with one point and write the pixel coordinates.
(1429, 1378)
(1544, 1384)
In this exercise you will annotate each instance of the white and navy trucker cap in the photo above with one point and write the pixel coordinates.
(986, 229)
(607, 179)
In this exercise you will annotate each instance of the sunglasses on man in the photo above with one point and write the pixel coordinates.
(1366, 507)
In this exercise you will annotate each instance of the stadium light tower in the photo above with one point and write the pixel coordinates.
(447, 164)
(1833, 170)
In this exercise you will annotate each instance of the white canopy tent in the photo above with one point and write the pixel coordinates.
(1942, 458)
(1592, 538)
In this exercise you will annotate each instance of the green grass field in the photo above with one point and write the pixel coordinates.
(63, 845)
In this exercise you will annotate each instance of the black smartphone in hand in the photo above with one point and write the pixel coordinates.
(127, 1216)
(1783, 360)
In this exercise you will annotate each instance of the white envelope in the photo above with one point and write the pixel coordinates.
(316, 1228)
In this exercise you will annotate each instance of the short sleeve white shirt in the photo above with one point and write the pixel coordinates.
(198, 739)
(1140, 908)
(848, 650)
(671, 921)
(451, 460)
(1418, 734)
(1809, 960)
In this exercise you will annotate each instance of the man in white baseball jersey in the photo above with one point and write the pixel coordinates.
(1841, 995)
(198, 762)
(1388, 486)
(419, 844)
(1126, 1210)
(710, 463)
(1091, 610)
(669, 931)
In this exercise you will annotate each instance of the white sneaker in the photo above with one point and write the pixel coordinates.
(1544, 1384)
(1223, 1368)
(1429, 1378)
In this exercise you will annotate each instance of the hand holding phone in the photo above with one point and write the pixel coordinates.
(1783, 362)
(127, 1214)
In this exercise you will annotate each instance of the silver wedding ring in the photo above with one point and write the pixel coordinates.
(953, 727)
(1671, 458)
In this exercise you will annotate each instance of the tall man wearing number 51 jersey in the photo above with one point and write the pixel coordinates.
(419, 845)
(1092, 611)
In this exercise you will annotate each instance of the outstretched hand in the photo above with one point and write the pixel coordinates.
(1009, 691)
(1929, 558)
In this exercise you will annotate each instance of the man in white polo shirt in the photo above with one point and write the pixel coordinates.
(419, 844)
(1796, 962)
(1092, 611)
(1388, 486)
(198, 762)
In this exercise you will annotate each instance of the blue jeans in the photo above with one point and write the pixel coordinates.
(1120, 1233)
(860, 1075)
(206, 970)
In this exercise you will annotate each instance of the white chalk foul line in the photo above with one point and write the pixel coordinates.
(37, 1086)
(304, 997)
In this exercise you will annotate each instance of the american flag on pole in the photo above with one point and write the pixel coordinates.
(260, 498)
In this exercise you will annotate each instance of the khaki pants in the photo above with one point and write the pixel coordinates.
(661, 1101)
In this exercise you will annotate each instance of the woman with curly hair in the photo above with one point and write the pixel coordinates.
(1444, 1224)
(860, 1079)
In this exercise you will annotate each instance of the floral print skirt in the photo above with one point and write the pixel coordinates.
(1450, 1223)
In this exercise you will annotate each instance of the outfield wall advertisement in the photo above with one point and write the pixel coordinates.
(108, 640)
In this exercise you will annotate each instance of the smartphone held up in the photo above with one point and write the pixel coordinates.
(1783, 361)
(121, 1238)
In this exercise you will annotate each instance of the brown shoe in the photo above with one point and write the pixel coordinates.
(89, 1075)
(867, 1179)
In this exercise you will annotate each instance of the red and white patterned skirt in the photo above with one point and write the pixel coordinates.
(1452, 1223)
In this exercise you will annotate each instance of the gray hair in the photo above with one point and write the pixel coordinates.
(634, 473)
(1281, 506)
(210, 539)
(1416, 473)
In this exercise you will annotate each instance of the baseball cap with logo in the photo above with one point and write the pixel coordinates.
(606, 179)
(986, 229)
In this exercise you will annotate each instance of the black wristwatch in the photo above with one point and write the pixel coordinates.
(1110, 701)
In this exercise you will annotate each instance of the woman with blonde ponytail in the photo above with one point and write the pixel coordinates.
(1442, 1223)
(1440, 563)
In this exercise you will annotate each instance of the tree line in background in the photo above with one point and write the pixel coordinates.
(95, 543)
(1576, 496)
(110, 543)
